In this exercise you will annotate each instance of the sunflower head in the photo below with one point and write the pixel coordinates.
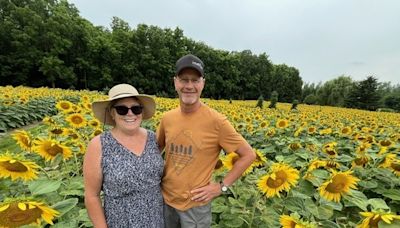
(339, 184)
(50, 148)
(64, 106)
(230, 160)
(260, 158)
(372, 218)
(24, 139)
(16, 167)
(282, 123)
(282, 177)
(24, 212)
(76, 120)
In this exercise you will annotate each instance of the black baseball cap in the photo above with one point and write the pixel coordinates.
(190, 61)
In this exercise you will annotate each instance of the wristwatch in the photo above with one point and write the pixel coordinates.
(224, 188)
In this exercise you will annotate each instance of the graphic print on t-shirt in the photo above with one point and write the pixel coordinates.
(182, 150)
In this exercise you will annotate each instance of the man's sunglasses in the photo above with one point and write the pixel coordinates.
(123, 110)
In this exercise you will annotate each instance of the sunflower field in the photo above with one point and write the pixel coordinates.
(316, 166)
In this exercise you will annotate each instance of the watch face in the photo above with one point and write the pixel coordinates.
(224, 188)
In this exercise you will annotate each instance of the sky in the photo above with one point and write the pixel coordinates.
(323, 39)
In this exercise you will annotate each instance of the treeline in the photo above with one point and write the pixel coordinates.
(342, 91)
(47, 43)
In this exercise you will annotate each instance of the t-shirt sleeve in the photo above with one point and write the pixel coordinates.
(160, 134)
(229, 139)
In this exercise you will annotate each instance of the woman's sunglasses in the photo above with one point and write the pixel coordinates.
(123, 110)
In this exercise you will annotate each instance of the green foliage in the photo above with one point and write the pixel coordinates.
(310, 99)
(364, 95)
(274, 99)
(260, 101)
(18, 115)
(294, 104)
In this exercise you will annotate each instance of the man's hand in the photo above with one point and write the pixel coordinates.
(206, 193)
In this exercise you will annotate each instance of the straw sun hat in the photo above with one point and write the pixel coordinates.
(100, 108)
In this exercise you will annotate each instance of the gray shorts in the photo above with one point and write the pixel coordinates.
(196, 217)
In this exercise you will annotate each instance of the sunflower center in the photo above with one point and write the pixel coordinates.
(373, 223)
(76, 120)
(54, 150)
(282, 124)
(331, 152)
(65, 106)
(15, 217)
(345, 131)
(395, 166)
(337, 185)
(57, 131)
(279, 180)
(219, 164)
(14, 167)
(235, 159)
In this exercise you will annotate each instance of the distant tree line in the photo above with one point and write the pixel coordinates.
(47, 43)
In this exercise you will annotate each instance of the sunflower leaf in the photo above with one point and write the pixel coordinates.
(356, 198)
(394, 224)
(377, 203)
(393, 194)
(65, 205)
(43, 186)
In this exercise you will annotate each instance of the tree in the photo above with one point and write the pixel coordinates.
(364, 95)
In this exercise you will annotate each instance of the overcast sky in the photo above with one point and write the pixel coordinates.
(322, 38)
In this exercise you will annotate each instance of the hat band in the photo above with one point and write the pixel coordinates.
(119, 94)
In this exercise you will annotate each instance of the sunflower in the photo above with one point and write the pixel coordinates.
(72, 134)
(289, 221)
(311, 130)
(281, 178)
(282, 123)
(339, 184)
(24, 212)
(17, 167)
(326, 131)
(264, 124)
(64, 106)
(329, 148)
(362, 148)
(49, 148)
(260, 159)
(294, 146)
(346, 131)
(312, 147)
(219, 166)
(96, 132)
(57, 131)
(270, 132)
(392, 162)
(24, 139)
(360, 160)
(298, 132)
(48, 120)
(76, 120)
(94, 123)
(372, 219)
(294, 221)
(230, 160)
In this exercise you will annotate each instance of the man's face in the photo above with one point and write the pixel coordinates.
(189, 84)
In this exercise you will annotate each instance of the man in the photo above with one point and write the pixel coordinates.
(193, 135)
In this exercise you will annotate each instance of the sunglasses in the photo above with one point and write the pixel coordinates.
(123, 110)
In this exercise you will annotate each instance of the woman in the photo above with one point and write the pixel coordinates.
(125, 163)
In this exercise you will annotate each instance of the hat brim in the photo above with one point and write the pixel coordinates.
(101, 113)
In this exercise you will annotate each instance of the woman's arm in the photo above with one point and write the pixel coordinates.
(93, 180)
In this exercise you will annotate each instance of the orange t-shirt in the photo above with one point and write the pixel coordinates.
(192, 145)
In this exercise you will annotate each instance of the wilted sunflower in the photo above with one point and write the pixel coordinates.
(260, 159)
(76, 120)
(64, 106)
(372, 219)
(17, 167)
(50, 148)
(281, 178)
(339, 184)
(24, 139)
(231, 159)
(24, 212)
(282, 123)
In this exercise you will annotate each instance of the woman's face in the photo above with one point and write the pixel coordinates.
(125, 118)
